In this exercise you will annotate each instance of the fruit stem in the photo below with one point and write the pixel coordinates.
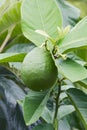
(55, 121)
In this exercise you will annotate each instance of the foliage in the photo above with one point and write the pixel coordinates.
(23, 26)
(81, 5)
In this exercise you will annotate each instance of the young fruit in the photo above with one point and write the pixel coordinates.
(39, 71)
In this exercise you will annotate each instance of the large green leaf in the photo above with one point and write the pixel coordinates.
(64, 125)
(10, 18)
(17, 35)
(10, 21)
(4, 6)
(34, 105)
(76, 38)
(47, 115)
(65, 110)
(40, 15)
(12, 57)
(19, 48)
(72, 70)
(79, 100)
(44, 127)
(82, 53)
(70, 13)
(83, 83)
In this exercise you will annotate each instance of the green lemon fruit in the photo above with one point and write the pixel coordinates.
(39, 71)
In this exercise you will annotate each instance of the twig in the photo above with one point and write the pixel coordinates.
(6, 39)
(57, 105)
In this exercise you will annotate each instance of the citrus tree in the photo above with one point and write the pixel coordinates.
(43, 66)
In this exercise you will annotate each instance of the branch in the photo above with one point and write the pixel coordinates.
(6, 39)
(57, 105)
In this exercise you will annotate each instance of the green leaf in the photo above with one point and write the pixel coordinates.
(79, 100)
(6, 20)
(65, 110)
(10, 21)
(47, 115)
(84, 82)
(82, 53)
(17, 36)
(33, 106)
(72, 70)
(76, 38)
(64, 125)
(40, 15)
(44, 127)
(72, 12)
(82, 85)
(12, 57)
(82, 5)
(19, 48)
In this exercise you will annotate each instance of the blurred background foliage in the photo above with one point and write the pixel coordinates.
(82, 5)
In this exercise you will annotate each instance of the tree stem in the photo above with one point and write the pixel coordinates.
(55, 122)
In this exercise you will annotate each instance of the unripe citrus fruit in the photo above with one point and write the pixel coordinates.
(39, 71)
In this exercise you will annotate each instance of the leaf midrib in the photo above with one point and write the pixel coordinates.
(40, 15)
